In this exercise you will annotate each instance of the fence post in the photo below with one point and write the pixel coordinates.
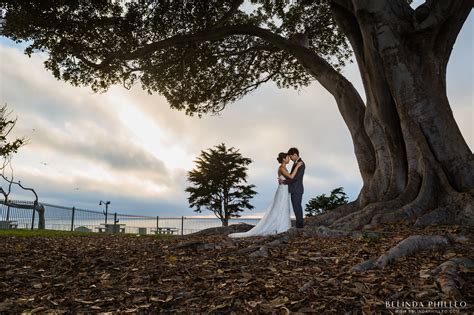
(157, 223)
(182, 225)
(115, 223)
(8, 213)
(33, 220)
(72, 218)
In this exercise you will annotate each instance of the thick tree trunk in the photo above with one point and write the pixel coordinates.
(41, 221)
(424, 170)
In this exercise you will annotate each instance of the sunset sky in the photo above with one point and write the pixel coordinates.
(130, 148)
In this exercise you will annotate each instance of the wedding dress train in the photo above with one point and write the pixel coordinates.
(276, 219)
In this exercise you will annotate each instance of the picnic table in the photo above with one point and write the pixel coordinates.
(165, 230)
(111, 228)
(8, 225)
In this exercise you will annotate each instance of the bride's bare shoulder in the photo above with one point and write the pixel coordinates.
(282, 170)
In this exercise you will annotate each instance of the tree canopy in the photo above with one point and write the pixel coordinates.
(201, 55)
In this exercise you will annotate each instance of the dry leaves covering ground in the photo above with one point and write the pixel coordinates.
(133, 274)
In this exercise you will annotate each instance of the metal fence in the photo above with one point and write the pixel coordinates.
(75, 219)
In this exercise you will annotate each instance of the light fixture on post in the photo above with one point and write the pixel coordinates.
(106, 203)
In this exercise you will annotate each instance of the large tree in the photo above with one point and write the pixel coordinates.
(219, 183)
(203, 55)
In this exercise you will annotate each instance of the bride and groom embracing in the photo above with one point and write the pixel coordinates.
(277, 217)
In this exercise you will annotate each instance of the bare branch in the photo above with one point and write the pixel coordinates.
(6, 160)
(4, 193)
(210, 34)
(21, 186)
(321, 68)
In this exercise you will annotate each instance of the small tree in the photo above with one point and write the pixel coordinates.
(7, 149)
(220, 184)
(323, 203)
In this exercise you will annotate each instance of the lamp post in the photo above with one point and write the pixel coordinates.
(106, 203)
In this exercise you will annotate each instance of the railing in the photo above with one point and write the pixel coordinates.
(75, 219)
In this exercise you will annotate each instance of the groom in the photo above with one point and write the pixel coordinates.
(295, 186)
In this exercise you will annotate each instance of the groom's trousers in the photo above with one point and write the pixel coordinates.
(296, 200)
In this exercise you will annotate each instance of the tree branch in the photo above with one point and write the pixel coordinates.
(12, 124)
(449, 30)
(433, 13)
(322, 70)
(346, 20)
(20, 185)
(210, 34)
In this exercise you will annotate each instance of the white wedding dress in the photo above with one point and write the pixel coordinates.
(277, 217)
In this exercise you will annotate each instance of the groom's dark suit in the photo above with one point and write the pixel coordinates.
(296, 189)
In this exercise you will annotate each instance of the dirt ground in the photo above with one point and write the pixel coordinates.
(121, 274)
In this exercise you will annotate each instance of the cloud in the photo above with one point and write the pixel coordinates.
(96, 145)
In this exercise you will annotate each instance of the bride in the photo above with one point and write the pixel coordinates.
(277, 217)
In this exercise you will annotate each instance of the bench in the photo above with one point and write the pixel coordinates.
(165, 230)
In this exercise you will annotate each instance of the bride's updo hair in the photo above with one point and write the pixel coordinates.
(281, 156)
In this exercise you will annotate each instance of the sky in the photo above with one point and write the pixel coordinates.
(129, 147)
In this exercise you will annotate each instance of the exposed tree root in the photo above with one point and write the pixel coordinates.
(322, 231)
(411, 245)
(443, 215)
(360, 219)
(330, 216)
(446, 275)
(223, 230)
(261, 246)
(458, 210)
(364, 266)
(408, 246)
(357, 220)
(260, 249)
(428, 199)
(412, 210)
(466, 214)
